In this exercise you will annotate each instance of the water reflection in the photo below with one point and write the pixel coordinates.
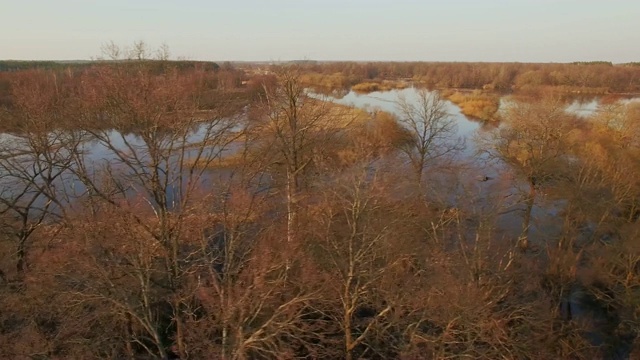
(588, 107)
(386, 101)
(109, 156)
(583, 109)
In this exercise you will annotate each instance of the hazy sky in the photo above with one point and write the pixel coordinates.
(454, 30)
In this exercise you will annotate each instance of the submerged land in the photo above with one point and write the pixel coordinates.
(152, 208)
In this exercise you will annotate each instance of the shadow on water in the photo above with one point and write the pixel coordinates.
(592, 307)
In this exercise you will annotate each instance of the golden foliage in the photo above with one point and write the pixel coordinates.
(331, 81)
(479, 105)
(367, 87)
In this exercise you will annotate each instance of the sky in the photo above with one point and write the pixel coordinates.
(279, 30)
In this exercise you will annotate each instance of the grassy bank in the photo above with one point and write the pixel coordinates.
(385, 85)
(477, 104)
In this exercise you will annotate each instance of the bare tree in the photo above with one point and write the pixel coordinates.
(251, 307)
(532, 142)
(111, 51)
(230, 278)
(158, 148)
(139, 51)
(163, 53)
(356, 249)
(298, 127)
(35, 160)
(432, 129)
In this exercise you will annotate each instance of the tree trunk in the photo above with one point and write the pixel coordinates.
(292, 213)
(179, 335)
(526, 224)
(224, 340)
(21, 255)
(129, 336)
(419, 168)
(348, 339)
(161, 351)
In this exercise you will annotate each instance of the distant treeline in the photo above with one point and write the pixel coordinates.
(598, 77)
(17, 65)
(213, 77)
(609, 63)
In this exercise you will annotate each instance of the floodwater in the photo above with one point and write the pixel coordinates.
(545, 223)
(496, 182)
(386, 100)
(591, 107)
(108, 156)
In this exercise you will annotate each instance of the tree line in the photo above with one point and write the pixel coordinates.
(597, 77)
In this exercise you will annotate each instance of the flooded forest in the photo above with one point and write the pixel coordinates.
(157, 209)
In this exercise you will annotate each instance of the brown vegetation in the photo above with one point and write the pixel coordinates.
(597, 78)
(367, 87)
(477, 105)
(328, 233)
